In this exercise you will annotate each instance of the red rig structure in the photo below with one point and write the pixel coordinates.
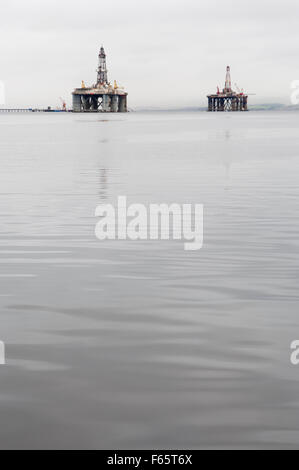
(228, 100)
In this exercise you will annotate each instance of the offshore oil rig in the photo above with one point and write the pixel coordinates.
(101, 97)
(228, 100)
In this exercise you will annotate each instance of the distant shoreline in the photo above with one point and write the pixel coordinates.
(261, 107)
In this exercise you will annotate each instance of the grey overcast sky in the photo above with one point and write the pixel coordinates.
(167, 52)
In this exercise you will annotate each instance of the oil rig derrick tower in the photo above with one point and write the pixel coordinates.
(228, 100)
(102, 69)
(101, 97)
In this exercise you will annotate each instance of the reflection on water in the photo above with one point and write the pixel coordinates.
(227, 160)
(140, 344)
(103, 184)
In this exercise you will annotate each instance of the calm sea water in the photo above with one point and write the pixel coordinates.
(141, 344)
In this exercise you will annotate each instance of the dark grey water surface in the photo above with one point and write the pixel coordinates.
(141, 344)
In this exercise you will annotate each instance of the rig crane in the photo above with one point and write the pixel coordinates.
(241, 92)
(63, 104)
(116, 87)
